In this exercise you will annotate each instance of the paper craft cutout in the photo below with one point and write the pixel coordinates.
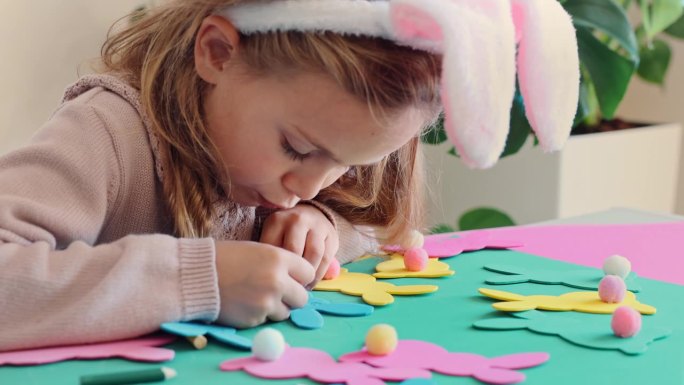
(581, 301)
(395, 268)
(581, 279)
(140, 349)
(419, 381)
(588, 244)
(373, 292)
(594, 335)
(309, 316)
(450, 244)
(428, 356)
(224, 334)
(321, 367)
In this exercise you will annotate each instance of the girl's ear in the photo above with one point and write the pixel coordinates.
(216, 44)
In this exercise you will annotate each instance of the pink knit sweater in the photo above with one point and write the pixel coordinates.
(85, 250)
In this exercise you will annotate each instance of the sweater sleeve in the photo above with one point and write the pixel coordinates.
(57, 285)
(355, 241)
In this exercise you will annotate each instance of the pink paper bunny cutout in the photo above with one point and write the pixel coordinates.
(428, 356)
(142, 349)
(449, 245)
(321, 367)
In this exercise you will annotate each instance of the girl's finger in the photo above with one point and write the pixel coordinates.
(272, 233)
(280, 312)
(295, 239)
(294, 295)
(330, 249)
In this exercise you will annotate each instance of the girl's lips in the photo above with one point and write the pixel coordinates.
(263, 202)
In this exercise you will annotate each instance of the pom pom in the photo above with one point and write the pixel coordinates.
(612, 289)
(617, 265)
(414, 239)
(268, 344)
(333, 270)
(415, 259)
(626, 322)
(381, 340)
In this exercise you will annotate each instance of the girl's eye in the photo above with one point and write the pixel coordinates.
(291, 152)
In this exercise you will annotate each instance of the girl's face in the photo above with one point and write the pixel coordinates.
(283, 139)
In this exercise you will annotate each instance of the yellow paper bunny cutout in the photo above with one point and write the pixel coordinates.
(395, 268)
(373, 292)
(581, 301)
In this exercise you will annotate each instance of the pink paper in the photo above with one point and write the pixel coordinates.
(425, 355)
(142, 349)
(449, 245)
(656, 250)
(321, 367)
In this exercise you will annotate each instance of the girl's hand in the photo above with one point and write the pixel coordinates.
(305, 231)
(259, 282)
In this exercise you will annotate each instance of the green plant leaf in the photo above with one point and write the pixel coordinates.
(484, 218)
(609, 71)
(588, 103)
(442, 228)
(453, 152)
(519, 127)
(658, 15)
(138, 14)
(435, 134)
(655, 59)
(677, 28)
(607, 17)
(584, 103)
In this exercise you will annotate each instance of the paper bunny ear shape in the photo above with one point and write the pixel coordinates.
(477, 39)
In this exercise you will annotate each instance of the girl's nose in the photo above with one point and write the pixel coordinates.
(307, 183)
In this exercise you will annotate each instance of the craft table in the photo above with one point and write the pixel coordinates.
(446, 317)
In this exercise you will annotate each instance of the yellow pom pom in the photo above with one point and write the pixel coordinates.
(381, 340)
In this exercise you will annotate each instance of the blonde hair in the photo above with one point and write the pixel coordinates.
(156, 56)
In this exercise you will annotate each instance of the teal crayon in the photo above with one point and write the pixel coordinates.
(130, 377)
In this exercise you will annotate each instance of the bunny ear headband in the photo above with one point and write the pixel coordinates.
(477, 39)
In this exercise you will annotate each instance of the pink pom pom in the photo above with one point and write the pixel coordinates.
(333, 270)
(626, 322)
(415, 259)
(612, 289)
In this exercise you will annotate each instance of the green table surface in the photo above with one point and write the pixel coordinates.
(444, 317)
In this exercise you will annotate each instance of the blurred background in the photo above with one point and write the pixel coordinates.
(46, 46)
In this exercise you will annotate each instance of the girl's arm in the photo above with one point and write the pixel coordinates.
(59, 197)
(355, 241)
(85, 294)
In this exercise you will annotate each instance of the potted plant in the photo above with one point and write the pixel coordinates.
(606, 162)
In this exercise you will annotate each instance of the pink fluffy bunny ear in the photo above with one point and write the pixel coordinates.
(548, 69)
(477, 40)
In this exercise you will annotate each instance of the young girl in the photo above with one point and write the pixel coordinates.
(212, 171)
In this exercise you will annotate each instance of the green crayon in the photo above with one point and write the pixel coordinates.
(130, 377)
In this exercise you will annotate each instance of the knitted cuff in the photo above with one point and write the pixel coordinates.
(199, 281)
(324, 209)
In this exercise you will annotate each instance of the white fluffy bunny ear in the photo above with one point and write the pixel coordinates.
(548, 69)
(477, 39)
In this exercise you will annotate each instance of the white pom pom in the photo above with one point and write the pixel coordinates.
(617, 265)
(268, 344)
(415, 239)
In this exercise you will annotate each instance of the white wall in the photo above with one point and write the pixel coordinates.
(45, 45)
(646, 102)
